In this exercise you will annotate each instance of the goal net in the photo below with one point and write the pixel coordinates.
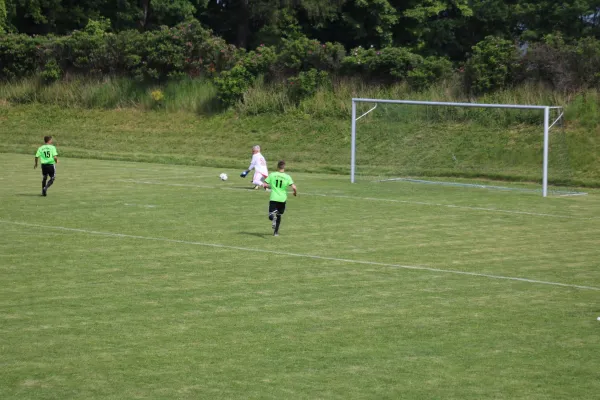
(465, 144)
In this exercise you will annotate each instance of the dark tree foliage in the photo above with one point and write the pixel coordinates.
(429, 27)
(496, 43)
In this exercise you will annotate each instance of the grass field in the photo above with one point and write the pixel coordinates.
(155, 281)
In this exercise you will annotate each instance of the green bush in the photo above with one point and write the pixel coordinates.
(390, 63)
(51, 72)
(303, 54)
(231, 85)
(184, 50)
(587, 67)
(260, 61)
(565, 66)
(493, 65)
(20, 55)
(429, 72)
(85, 51)
(307, 83)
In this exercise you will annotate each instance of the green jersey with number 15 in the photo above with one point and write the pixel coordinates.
(46, 153)
(279, 183)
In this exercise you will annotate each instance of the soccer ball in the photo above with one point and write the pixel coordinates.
(223, 177)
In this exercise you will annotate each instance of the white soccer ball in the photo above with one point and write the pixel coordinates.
(223, 176)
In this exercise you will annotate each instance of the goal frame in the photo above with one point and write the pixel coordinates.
(547, 125)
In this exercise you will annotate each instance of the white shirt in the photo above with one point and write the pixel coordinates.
(259, 163)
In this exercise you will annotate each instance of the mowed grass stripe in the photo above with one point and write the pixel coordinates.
(339, 196)
(310, 256)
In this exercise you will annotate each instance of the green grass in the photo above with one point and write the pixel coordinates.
(137, 280)
(393, 142)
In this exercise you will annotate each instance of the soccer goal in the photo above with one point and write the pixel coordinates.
(405, 140)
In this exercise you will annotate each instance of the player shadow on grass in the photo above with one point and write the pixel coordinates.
(28, 195)
(242, 187)
(257, 234)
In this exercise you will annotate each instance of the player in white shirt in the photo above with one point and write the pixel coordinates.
(259, 164)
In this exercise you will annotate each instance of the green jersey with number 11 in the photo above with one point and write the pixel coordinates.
(279, 183)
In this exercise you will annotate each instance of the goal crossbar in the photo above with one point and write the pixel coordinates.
(547, 125)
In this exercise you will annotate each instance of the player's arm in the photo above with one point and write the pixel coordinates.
(267, 182)
(35, 162)
(294, 189)
(56, 159)
(252, 165)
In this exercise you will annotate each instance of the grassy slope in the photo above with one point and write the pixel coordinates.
(181, 138)
(312, 144)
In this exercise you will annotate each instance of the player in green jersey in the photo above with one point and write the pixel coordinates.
(48, 157)
(278, 182)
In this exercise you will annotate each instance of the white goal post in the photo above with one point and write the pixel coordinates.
(547, 125)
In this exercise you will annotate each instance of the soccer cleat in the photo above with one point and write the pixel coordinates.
(276, 234)
(44, 192)
(256, 187)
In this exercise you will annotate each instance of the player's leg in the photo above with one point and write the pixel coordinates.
(280, 211)
(256, 180)
(273, 213)
(44, 178)
(52, 175)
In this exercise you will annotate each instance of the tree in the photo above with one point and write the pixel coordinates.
(361, 23)
(431, 26)
(54, 16)
(167, 12)
(573, 18)
(3, 17)
(240, 20)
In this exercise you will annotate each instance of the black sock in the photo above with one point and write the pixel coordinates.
(278, 223)
(44, 183)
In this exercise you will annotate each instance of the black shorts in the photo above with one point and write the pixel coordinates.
(276, 205)
(49, 169)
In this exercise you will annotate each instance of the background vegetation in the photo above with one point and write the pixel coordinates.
(487, 45)
(256, 60)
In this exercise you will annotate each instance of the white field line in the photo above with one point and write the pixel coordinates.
(572, 194)
(423, 203)
(189, 176)
(299, 255)
(479, 186)
(170, 172)
(138, 182)
(140, 205)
